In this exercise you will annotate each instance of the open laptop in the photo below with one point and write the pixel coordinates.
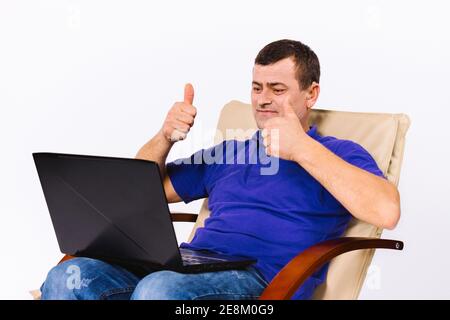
(115, 209)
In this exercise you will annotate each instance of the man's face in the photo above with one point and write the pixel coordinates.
(271, 85)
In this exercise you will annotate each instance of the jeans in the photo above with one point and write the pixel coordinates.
(91, 279)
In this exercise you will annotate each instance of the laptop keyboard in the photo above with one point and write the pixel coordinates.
(196, 258)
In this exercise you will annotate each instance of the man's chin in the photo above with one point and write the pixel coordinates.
(261, 121)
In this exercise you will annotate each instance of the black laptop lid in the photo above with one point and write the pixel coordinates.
(108, 207)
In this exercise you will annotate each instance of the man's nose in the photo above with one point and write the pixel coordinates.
(265, 99)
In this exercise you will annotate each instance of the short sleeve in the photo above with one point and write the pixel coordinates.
(358, 156)
(190, 176)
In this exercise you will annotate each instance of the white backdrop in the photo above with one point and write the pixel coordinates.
(97, 77)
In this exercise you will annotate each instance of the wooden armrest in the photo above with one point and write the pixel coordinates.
(184, 217)
(291, 277)
(65, 258)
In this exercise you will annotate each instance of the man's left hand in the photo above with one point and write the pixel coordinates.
(283, 135)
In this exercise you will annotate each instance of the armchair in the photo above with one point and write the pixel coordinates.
(383, 135)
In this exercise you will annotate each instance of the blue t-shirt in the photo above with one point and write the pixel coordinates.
(270, 216)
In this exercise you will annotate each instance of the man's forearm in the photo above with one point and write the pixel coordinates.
(156, 150)
(368, 197)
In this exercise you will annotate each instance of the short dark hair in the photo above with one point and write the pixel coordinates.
(308, 67)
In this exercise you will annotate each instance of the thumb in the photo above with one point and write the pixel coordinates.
(188, 93)
(288, 109)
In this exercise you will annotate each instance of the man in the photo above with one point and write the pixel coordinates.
(319, 184)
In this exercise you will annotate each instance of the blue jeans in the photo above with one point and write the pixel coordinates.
(91, 279)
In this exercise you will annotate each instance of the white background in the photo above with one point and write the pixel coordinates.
(97, 77)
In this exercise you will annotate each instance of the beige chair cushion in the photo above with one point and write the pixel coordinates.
(381, 134)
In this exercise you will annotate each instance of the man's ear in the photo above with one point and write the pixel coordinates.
(313, 95)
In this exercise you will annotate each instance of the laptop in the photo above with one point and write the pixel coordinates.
(116, 210)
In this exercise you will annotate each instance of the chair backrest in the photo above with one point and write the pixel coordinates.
(381, 134)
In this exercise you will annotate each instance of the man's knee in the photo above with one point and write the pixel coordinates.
(64, 281)
(163, 285)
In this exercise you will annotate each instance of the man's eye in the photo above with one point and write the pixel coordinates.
(278, 90)
(256, 89)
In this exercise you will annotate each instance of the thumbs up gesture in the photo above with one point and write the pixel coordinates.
(282, 135)
(180, 117)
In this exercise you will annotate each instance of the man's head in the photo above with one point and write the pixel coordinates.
(285, 69)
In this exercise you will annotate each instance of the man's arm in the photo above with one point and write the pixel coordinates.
(177, 124)
(157, 150)
(366, 196)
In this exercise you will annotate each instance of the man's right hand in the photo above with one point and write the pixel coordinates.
(180, 117)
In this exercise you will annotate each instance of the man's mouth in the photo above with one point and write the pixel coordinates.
(266, 111)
